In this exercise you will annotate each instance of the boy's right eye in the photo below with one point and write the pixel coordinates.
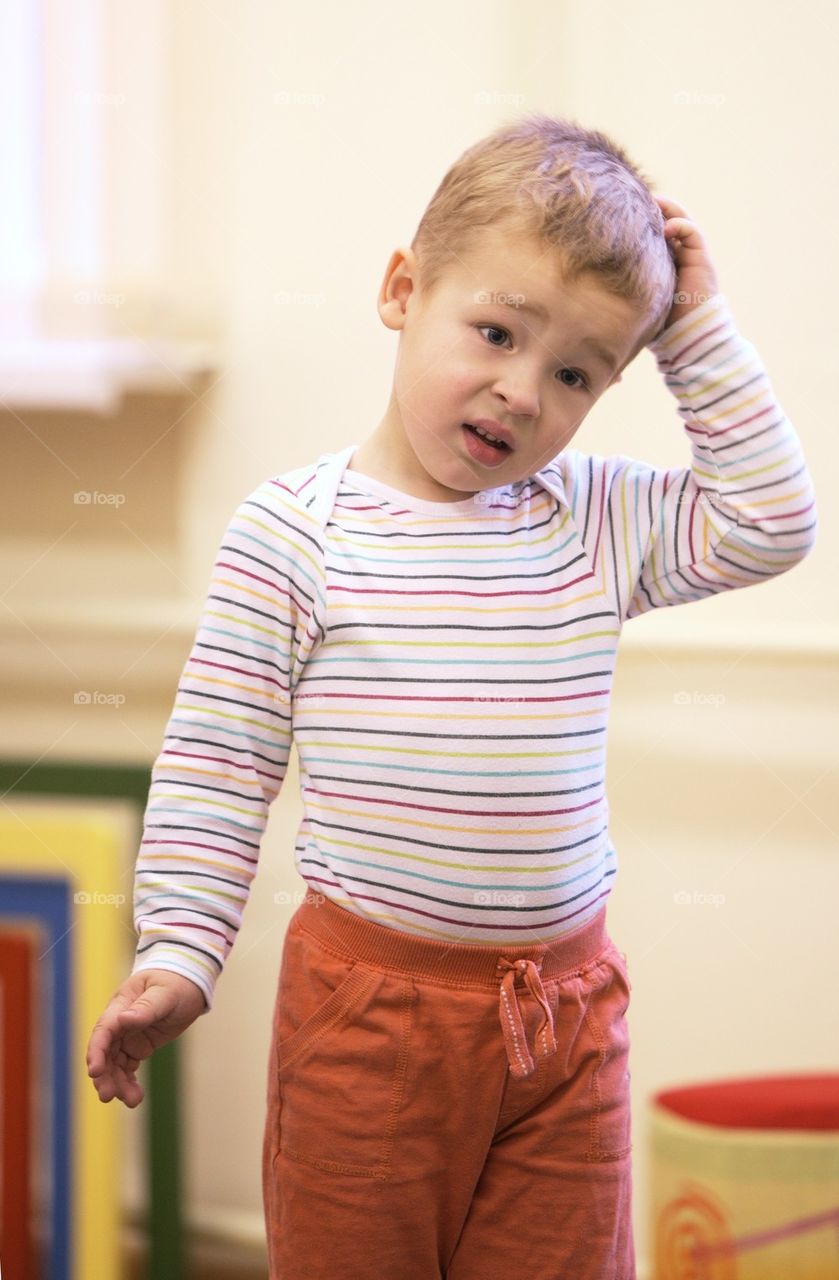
(493, 328)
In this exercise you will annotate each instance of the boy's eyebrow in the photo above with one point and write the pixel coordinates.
(606, 356)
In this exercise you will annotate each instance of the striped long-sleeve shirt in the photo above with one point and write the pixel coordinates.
(445, 671)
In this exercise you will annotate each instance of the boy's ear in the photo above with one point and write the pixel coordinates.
(397, 286)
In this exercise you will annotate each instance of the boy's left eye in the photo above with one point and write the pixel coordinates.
(582, 382)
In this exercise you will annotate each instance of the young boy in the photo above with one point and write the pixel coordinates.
(435, 616)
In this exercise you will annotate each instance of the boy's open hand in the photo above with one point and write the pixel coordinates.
(148, 1010)
(696, 278)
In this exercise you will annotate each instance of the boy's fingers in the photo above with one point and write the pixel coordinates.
(116, 1019)
(104, 1032)
(128, 1089)
(100, 1042)
(148, 1008)
(678, 224)
(133, 1025)
(682, 229)
(116, 1081)
(671, 207)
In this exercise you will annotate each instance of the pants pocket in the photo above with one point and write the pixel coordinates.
(341, 1039)
(606, 1024)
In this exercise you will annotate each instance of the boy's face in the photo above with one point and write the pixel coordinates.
(473, 349)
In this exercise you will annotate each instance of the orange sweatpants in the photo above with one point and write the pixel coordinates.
(447, 1110)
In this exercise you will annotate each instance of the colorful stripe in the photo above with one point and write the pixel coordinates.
(445, 671)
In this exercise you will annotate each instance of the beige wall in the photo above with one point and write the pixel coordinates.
(300, 147)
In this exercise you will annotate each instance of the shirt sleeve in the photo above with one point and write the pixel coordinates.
(227, 743)
(745, 510)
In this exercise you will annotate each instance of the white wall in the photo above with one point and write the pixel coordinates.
(301, 147)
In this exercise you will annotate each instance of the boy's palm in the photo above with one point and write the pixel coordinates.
(148, 1010)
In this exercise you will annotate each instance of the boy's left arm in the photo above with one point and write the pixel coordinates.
(745, 511)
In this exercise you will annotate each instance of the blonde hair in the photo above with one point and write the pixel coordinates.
(574, 189)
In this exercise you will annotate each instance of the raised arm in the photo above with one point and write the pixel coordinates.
(745, 509)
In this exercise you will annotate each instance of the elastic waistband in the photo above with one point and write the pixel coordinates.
(352, 935)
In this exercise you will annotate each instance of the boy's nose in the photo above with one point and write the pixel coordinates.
(520, 395)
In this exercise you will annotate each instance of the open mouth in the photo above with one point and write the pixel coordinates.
(500, 446)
